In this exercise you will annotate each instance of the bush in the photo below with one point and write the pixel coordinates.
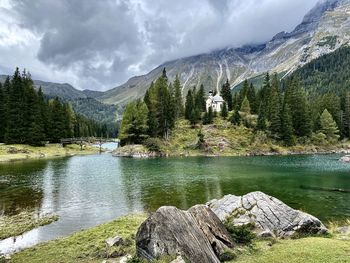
(319, 138)
(152, 144)
(241, 234)
(227, 255)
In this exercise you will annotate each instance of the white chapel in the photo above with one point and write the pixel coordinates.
(215, 102)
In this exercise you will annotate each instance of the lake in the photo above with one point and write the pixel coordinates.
(89, 190)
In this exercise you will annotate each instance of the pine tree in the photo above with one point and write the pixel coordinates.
(134, 124)
(227, 95)
(224, 112)
(346, 118)
(296, 99)
(2, 114)
(150, 100)
(245, 106)
(200, 99)
(210, 115)
(189, 105)
(274, 108)
(15, 110)
(163, 106)
(179, 110)
(261, 125)
(57, 121)
(287, 126)
(251, 95)
(329, 126)
(236, 118)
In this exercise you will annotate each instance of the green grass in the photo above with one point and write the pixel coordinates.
(84, 246)
(310, 250)
(89, 246)
(18, 224)
(224, 139)
(25, 152)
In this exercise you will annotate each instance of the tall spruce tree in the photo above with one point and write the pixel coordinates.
(236, 117)
(251, 95)
(261, 123)
(227, 95)
(179, 106)
(245, 106)
(189, 104)
(274, 108)
(224, 112)
(296, 99)
(346, 117)
(329, 126)
(287, 131)
(2, 114)
(134, 124)
(15, 109)
(200, 104)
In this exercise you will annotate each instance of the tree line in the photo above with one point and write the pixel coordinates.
(27, 117)
(289, 113)
(283, 110)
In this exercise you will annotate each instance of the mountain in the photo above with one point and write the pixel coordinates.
(83, 102)
(323, 30)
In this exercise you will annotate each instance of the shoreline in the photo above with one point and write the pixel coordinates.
(89, 245)
(140, 152)
(21, 152)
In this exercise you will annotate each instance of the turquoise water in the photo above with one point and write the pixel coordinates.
(88, 190)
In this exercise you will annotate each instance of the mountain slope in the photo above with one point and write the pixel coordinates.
(82, 101)
(324, 29)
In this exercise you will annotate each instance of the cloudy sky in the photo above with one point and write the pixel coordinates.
(100, 44)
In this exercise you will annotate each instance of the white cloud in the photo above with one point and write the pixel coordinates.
(99, 44)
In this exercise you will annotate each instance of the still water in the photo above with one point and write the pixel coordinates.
(89, 190)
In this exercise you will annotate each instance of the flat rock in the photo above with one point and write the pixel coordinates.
(344, 230)
(197, 235)
(179, 259)
(114, 241)
(267, 214)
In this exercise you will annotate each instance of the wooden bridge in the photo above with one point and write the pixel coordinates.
(86, 140)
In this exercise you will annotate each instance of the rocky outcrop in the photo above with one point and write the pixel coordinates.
(268, 215)
(135, 151)
(196, 234)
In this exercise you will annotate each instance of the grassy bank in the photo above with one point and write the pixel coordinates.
(19, 152)
(224, 139)
(89, 246)
(26, 220)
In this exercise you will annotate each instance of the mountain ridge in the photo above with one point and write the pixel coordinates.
(325, 28)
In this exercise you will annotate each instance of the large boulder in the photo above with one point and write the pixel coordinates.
(268, 215)
(196, 234)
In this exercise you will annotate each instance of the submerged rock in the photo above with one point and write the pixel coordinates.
(197, 235)
(268, 215)
(345, 159)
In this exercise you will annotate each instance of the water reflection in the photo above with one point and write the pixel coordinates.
(88, 190)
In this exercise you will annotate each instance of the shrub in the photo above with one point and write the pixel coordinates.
(241, 234)
(227, 255)
(152, 144)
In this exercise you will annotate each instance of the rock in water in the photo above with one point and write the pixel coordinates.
(345, 159)
(196, 234)
(268, 215)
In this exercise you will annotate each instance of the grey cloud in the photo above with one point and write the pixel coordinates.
(102, 43)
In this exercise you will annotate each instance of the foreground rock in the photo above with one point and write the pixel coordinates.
(268, 215)
(197, 235)
(345, 159)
